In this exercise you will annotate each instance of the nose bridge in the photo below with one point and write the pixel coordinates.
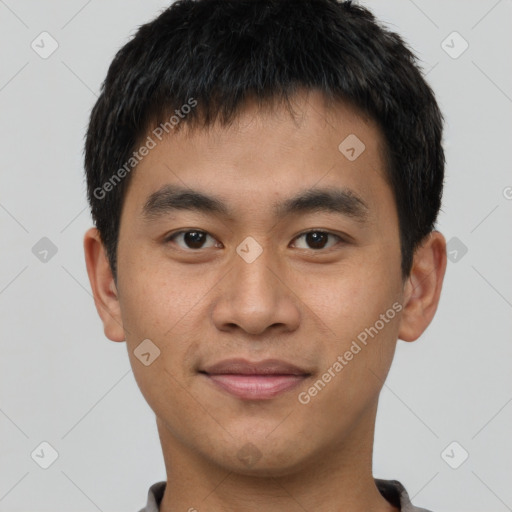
(253, 298)
(254, 284)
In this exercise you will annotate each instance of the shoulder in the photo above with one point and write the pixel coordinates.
(397, 495)
(155, 494)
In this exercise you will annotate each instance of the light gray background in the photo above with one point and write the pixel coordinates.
(64, 383)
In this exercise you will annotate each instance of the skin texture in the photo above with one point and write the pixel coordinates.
(294, 303)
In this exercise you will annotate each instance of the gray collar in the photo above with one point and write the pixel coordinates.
(392, 490)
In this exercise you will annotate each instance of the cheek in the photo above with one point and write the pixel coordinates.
(155, 298)
(165, 306)
(356, 294)
(357, 306)
(159, 306)
(363, 339)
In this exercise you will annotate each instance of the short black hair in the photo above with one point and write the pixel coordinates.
(215, 55)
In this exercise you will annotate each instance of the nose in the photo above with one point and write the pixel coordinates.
(257, 296)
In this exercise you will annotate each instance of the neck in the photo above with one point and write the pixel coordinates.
(338, 478)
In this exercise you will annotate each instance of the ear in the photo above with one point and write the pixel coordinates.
(423, 287)
(103, 285)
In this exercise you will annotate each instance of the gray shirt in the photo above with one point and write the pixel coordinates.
(392, 490)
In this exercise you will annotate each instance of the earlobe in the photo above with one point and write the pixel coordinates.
(103, 287)
(423, 287)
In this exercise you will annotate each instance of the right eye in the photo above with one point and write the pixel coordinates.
(192, 239)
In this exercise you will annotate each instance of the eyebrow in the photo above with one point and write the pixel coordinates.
(333, 200)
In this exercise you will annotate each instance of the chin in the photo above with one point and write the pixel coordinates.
(268, 461)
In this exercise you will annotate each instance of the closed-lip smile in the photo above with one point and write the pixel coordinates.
(261, 380)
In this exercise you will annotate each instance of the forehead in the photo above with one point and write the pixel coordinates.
(267, 154)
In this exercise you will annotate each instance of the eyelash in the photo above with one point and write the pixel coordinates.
(171, 237)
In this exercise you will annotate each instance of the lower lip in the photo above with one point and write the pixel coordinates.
(256, 387)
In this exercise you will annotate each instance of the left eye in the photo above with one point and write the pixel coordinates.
(193, 239)
(318, 239)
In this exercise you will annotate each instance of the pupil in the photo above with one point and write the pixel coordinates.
(194, 239)
(316, 239)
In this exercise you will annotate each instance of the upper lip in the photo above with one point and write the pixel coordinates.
(244, 367)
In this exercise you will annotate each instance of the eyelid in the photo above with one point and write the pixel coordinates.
(169, 238)
(340, 237)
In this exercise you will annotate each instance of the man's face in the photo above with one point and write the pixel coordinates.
(250, 283)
